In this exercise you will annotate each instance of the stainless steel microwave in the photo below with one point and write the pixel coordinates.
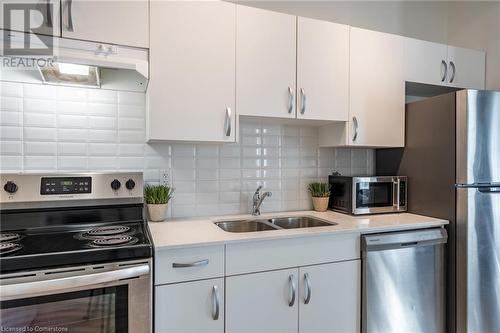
(368, 195)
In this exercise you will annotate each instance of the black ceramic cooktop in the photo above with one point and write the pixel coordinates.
(50, 239)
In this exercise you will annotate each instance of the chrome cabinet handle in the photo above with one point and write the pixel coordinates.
(290, 100)
(445, 74)
(307, 296)
(292, 290)
(190, 264)
(453, 70)
(49, 14)
(355, 126)
(303, 101)
(69, 15)
(215, 304)
(227, 125)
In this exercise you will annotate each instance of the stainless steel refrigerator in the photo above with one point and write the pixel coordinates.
(452, 160)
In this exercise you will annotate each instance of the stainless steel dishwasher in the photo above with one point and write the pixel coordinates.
(404, 281)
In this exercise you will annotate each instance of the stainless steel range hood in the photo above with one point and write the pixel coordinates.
(74, 63)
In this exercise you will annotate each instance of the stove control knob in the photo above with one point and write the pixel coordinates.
(130, 184)
(10, 187)
(115, 184)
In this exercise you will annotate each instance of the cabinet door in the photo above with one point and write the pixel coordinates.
(107, 21)
(266, 61)
(425, 62)
(190, 307)
(330, 297)
(192, 86)
(322, 70)
(377, 89)
(262, 302)
(466, 68)
(43, 16)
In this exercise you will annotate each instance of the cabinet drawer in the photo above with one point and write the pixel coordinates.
(277, 254)
(189, 264)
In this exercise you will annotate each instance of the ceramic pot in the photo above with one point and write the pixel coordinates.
(158, 212)
(320, 204)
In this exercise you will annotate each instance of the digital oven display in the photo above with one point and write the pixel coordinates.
(65, 185)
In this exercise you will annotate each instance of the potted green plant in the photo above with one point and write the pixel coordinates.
(157, 198)
(320, 193)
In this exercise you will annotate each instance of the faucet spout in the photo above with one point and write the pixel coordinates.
(258, 199)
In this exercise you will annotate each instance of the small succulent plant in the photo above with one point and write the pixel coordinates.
(157, 194)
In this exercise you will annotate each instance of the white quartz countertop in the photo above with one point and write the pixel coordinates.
(177, 233)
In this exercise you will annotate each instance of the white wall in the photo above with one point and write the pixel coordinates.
(470, 24)
(61, 129)
(476, 25)
(419, 19)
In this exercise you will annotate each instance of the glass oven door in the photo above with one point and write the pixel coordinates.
(112, 298)
(374, 195)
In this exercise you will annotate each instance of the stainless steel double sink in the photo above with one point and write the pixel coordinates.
(289, 222)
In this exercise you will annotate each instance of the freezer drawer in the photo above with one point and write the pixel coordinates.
(404, 281)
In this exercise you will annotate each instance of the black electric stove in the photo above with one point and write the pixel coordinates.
(71, 229)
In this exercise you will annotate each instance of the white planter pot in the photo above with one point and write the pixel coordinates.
(157, 213)
(320, 204)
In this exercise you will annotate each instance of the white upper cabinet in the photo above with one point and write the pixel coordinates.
(114, 22)
(191, 94)
(425, 62)
(322, 70)
(43, 16)
(466, 68)
(266, 61)
(443, 65)
(377, 89)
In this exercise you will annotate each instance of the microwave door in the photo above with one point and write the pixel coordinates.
(375, 197)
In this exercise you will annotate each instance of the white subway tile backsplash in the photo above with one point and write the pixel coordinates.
(102, 122)
(11, 104)
(77, 108)
(72, 121)
(66, 129)
(73, 163)
(39, 134)
(102, 135)
(40, 163)
(40, 148)
(39, 120)
(8, 118)
(11, 89)
(102, 96)
(102, 149)
(39, 91)
(69, 148)
(73, 135)
(11, 148)
(39, 105)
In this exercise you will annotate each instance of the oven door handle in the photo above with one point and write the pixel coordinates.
(26, 289)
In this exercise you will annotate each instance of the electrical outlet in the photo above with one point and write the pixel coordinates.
(164, 177)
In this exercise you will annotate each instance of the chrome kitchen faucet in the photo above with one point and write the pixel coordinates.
(257, 200)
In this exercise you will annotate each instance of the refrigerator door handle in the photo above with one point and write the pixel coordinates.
(491, 189)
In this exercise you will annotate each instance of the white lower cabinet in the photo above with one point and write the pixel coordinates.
(330, 297)
(190, 307)
(319, 298)
(262, 302)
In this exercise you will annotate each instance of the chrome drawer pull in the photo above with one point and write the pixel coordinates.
(190, 264)
(291, 281)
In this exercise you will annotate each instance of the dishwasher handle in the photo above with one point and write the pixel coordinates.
(403, 239)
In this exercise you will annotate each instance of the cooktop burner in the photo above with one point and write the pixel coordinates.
(9, 237)
(9, 247)
(105, 232)
(114, 241)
